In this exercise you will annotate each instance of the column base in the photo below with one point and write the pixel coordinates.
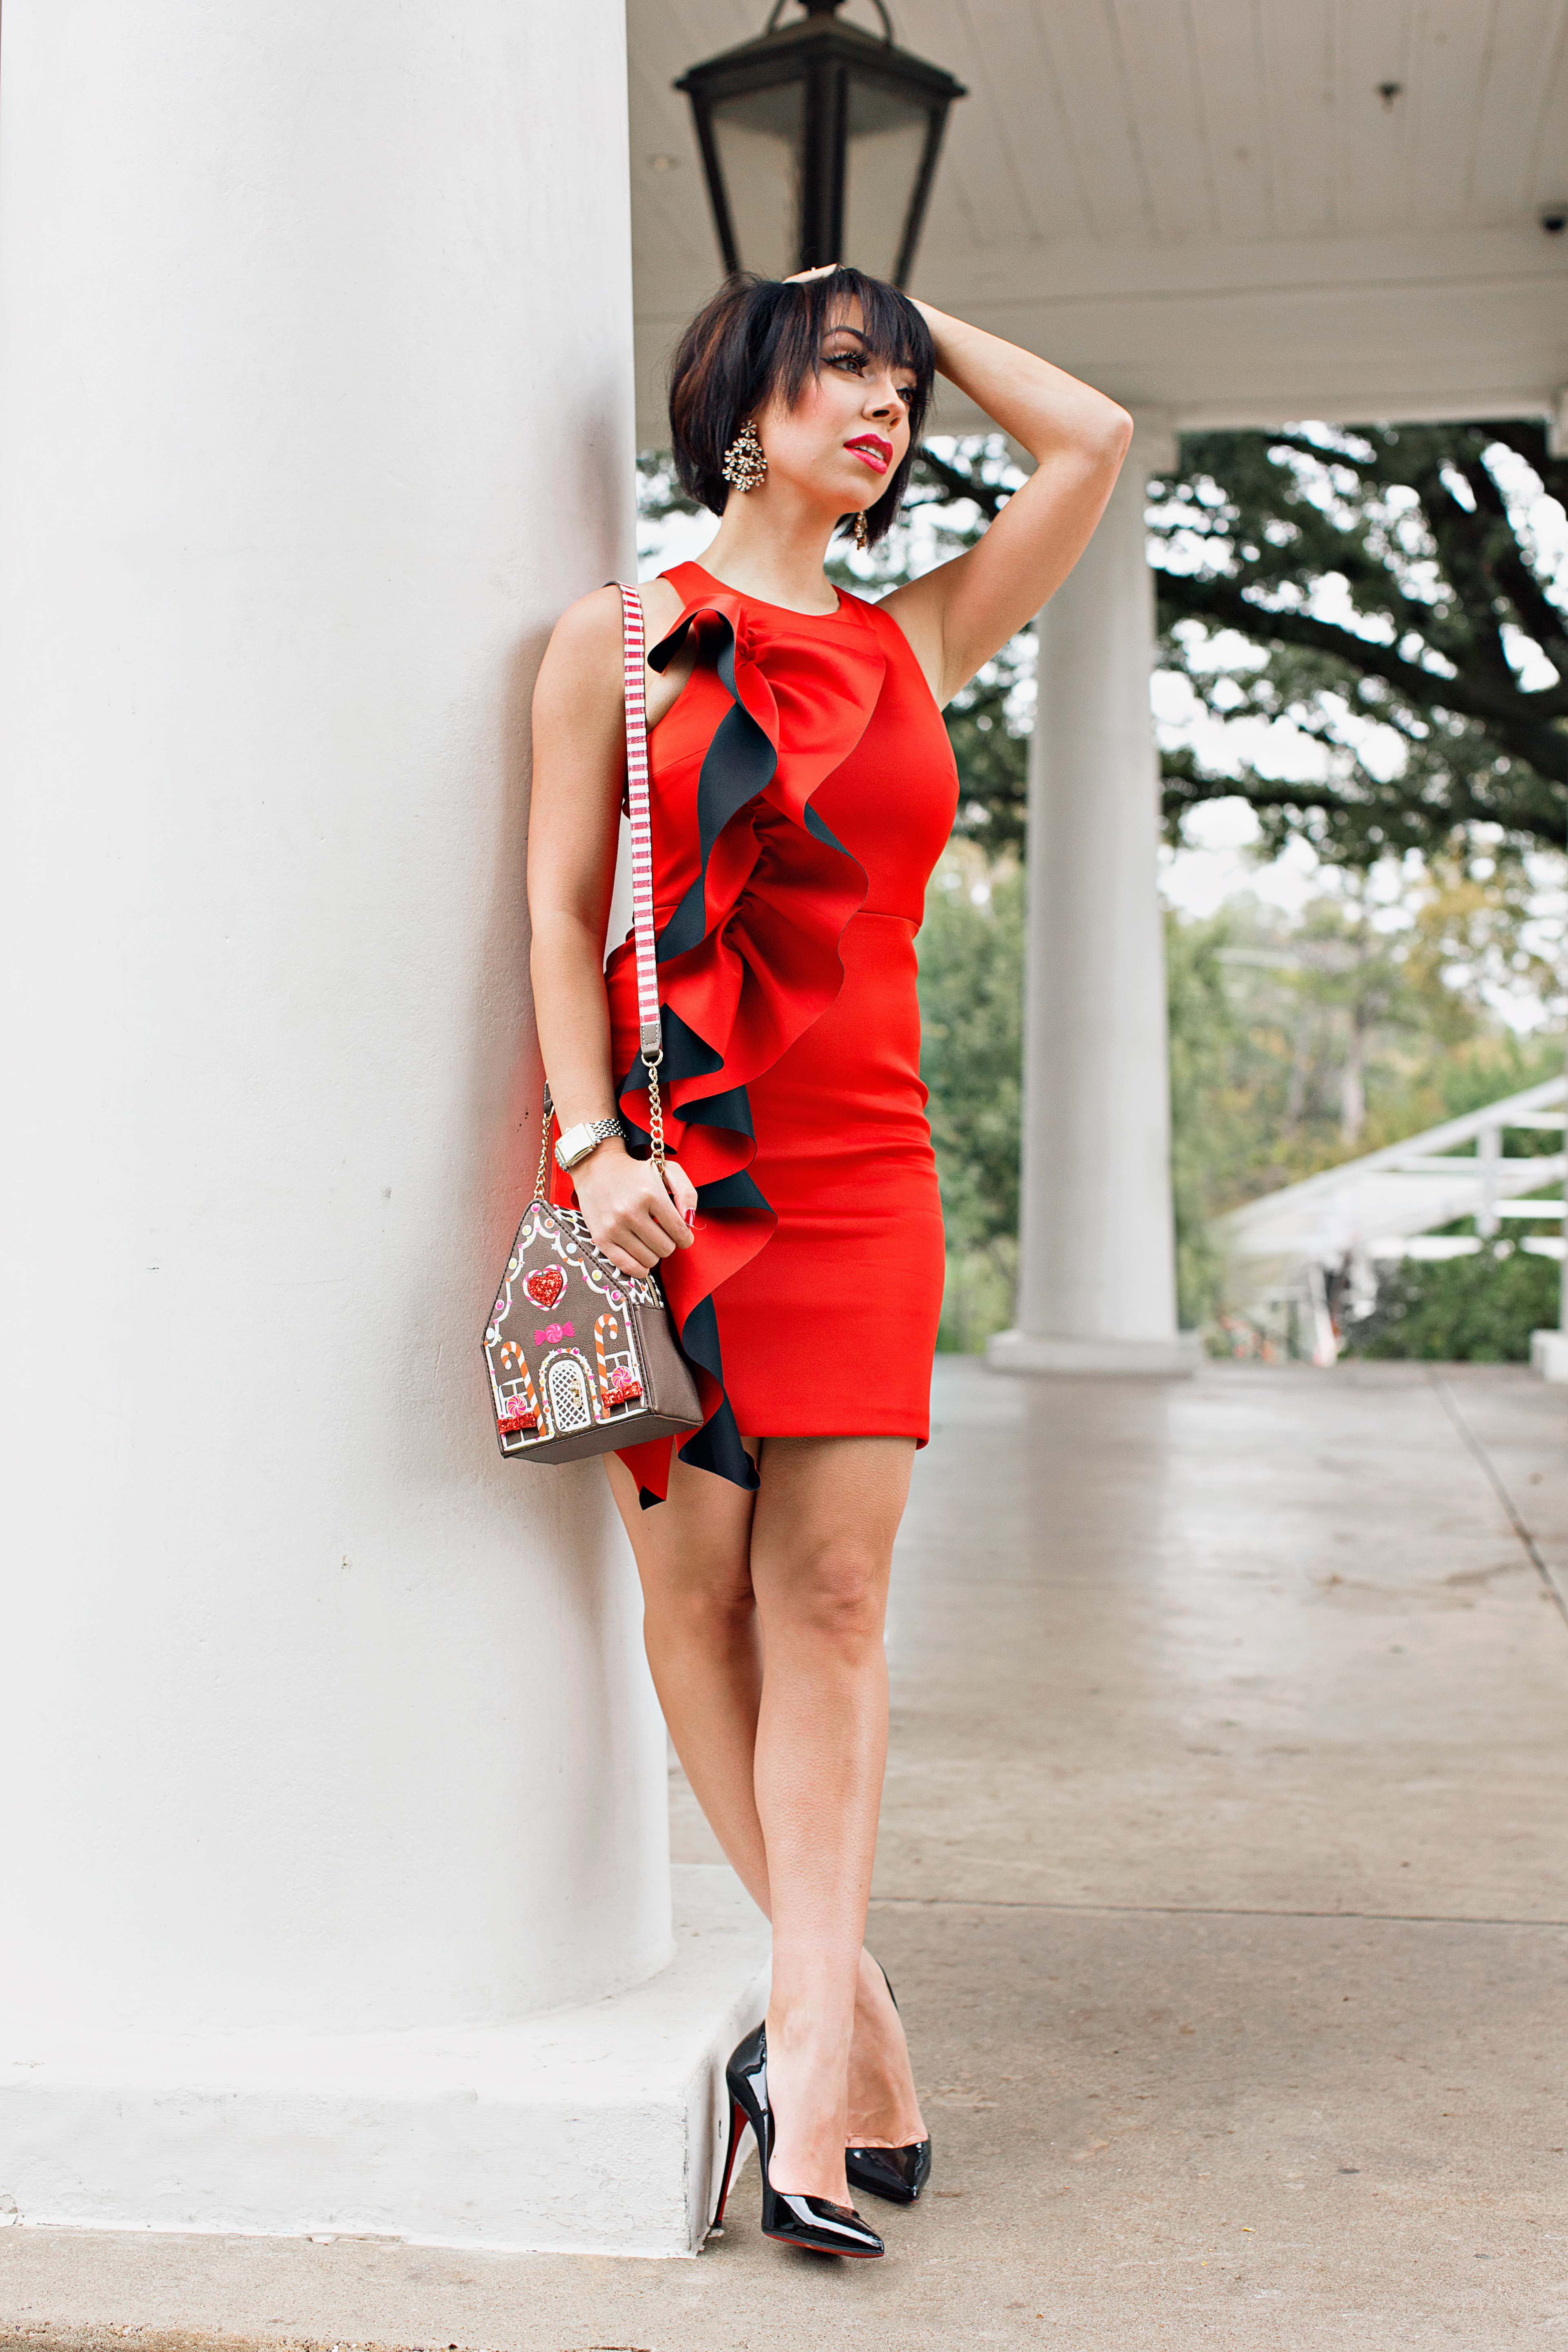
(1549, 1355)
(591, 2130)
(1175, 1358)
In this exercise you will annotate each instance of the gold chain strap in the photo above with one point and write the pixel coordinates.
(655, 1113)
(540, 1181)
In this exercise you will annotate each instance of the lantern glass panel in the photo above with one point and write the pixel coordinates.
(760, 134)
(887, 141)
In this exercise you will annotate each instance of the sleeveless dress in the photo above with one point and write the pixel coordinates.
(802, 789)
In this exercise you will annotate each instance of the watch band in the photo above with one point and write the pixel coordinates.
(577, 1142)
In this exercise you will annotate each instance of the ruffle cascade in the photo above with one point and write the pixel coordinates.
(750, 957)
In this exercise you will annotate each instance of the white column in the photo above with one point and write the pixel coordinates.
(318, 1719)
(1097, 1280)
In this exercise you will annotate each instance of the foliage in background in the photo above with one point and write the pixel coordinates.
(1294, 1044)
(972, 988)
(1394, 598)
(1377, 598)
(1479, 1310)
(1298, 1045)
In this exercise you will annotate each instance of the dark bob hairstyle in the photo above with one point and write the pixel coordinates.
(759, 336)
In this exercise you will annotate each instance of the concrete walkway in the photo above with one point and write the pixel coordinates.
(1224, 1882)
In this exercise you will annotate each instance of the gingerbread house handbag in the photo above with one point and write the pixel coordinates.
(580, 1357)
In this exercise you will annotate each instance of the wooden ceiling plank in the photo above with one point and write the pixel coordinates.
(1448, 60)
(1079, 44)
(1373, 47)
(1160, 73)
(1524, 34)
(1014, 90)
(1010, 181)
(1548, 177)
(1300, 74)
(1232, 65)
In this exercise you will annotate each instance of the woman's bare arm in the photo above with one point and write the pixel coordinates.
(574, 827)
(961, 613)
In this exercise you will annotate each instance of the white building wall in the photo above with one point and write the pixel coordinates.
(316, 408)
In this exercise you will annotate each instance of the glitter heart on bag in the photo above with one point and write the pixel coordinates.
(545, 1286)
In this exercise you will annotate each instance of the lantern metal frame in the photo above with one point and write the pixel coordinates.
(824, 57)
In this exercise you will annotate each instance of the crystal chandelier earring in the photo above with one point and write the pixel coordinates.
(745, 464)
(862, 531)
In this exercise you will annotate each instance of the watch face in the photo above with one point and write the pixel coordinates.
(577, 1142)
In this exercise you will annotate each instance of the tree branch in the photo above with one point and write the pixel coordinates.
(1528, 720)
(989, 497)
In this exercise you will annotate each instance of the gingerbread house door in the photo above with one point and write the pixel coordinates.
(571, 1399)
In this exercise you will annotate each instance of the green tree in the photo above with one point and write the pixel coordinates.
(1292, 1044)
(1217, 1074)
(1478, 1310)
(1395, 606)
(1387, 579)
(971, 1007)
(1278, 1026)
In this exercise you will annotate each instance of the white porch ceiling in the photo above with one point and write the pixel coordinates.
(1202, 205)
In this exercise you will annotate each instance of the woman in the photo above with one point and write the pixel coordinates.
(802, 790)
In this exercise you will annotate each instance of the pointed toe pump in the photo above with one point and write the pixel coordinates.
(899, 2174)
(814, 2223)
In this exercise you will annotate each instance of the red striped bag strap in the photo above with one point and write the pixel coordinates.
(650, 1036)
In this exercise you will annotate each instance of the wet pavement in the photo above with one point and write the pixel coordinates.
(1223, 1881)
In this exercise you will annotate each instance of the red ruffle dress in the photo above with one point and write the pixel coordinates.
(802, 789)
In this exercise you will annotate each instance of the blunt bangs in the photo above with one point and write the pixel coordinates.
(759, 337)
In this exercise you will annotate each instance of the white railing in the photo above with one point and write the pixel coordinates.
(1312, 1248)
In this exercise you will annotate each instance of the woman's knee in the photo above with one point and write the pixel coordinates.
(836, 1586)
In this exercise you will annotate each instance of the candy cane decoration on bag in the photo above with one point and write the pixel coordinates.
(620, 1386)
(519, 1413)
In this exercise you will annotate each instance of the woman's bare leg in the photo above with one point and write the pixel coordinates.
(884, 2110)
(821, 1551)
(701, 1628)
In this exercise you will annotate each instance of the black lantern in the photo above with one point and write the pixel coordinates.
(819, 141)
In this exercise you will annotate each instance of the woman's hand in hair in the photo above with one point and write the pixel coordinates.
(959, 614)
(631, 1216)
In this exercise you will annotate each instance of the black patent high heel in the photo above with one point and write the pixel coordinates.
(795, 2221)
(899, 2174)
